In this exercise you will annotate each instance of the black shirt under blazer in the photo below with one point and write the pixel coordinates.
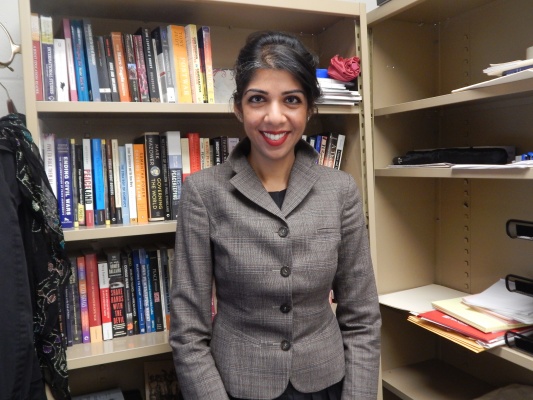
(273, 271)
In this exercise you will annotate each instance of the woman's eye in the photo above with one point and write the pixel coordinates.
(293, 100)
(256, 99)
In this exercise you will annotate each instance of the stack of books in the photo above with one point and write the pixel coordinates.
(338, 92)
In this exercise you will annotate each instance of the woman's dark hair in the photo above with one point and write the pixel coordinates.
(280, 51)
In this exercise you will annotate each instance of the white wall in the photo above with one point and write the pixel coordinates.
(12, 80)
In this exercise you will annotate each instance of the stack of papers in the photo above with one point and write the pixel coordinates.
(337, 92)
(508, 67)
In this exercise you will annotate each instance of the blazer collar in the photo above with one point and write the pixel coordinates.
(303, 177)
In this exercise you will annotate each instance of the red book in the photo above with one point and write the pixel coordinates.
(195, 158)
(93, 297)
(36, 53)
(105, 299)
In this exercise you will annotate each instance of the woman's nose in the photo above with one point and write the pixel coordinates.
(275, 114)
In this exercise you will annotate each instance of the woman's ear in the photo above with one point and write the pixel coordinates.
(238, 112)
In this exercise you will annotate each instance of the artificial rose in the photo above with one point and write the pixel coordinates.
(344, 69)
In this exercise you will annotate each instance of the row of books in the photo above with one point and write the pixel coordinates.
(335, 92)
(170, 63)
(100, 182)
(329, 146)
(117, 293)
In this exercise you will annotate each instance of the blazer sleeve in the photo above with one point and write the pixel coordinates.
(358, 307)
(191, 320)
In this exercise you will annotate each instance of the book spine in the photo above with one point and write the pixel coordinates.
(123, 177)
(157, 294)
(102, 69)
(515, 70)
(130, 173)
(64, 182)
(217, 154)
(131, 67)
(112, 71)
(75, 181)
(61, 72)
(67, 34)
(185, 158)
(165, 279)
(142, 79)
(49, 159)
(340, 148)
(141, 196)
(206, 63)
(84, 302)
(331, 150)
(165, 64)
(196, 77)
(105, 300)
(128, 311)
(323, 145)
(224, 152)
(107, 208)
(120, 66)
(68, 312)
(175, 166)
(90, 60)
(195, 158)
(79, 60)
(98, 181)
(88, 194)
(134, 293)
(73, 296)
(93, 298)
(138, 255)
(117, 185)
(36, 55)
(180, 63)
(148, 295)
(165, 177)
(47, 51)
(161, 67)
(150, 64)
(110, 182)
(80, 205)
(116, 293)
(154, 179)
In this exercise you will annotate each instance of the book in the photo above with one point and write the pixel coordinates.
(88, 182)
(153, 175)
(35, 24)
(130, 178)
(111, 68)
(179, 63)
(49, 159)
(148, 295)
(340, 148)
(185, 158)
(98, 181)
(93, 297)
(64, 182)
(123, 186)
(72, 299)
(120, 67)
(166, 76)
(157, 295)
(138, 255)
(142, 78)
(195, 160)
(47, 58)
(160, 380)
(105, 298)
(75, 180)
(232, 142)
(80, 69)
(84, 301)
(107, 206)
(206, 63)
(128, 255)
(216, 153)
(131, 67)
(150, 64)
(71, 71)
(80, 207)
(117, 293)
(196, 77)
(61, 72)
(224, 151)
(484, 322)
(164, 272)
(111, 394)
(165, 177)
(110, 182)
(102, 68)
(141, 193)
(175, 166)
(117, 182)
(128, 304)
(90, 60)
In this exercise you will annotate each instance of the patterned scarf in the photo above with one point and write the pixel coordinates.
(48, 264)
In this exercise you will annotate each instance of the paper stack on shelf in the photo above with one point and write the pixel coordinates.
(508, 68)
(337, 92)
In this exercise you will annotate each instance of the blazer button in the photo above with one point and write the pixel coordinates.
(285, 345)
(285, 271)
(285, 308)
(283, 231)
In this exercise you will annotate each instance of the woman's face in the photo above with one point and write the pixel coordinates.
(274, 114)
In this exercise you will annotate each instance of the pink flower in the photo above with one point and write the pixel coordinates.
(344, 69)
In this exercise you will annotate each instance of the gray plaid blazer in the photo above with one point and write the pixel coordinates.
(273, 271)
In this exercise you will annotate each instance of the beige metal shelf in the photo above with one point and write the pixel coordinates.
(421, 172)
(116, 231)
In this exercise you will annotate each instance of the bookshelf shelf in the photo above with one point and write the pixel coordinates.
(115, 231)
(421, 172)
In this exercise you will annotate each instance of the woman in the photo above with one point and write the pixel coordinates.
(276, 232)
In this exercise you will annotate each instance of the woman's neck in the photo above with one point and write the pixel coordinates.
(275, 175)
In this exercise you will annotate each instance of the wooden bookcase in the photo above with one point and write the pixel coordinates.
(438, 226)
(329, 28)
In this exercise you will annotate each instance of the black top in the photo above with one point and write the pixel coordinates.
(278, 197)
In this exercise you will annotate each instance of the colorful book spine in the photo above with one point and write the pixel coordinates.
(185, 158)
(175, 166)
(107, 207)
(82, 84)
(73, 296)
(117, 185)
(130, 174)
(206, 63)
(167, 81)
(141, 196)
(102, 69)
(49, 159)
(123, 177)
(90, 60)
(195, 158)
(131, 67)
(98, 181)
(64, 182)
(116, 292)
(157, 293)
(133, 289)
(146, 275)
(128, 309)
(179, 62)
(88, 193)
(93, 297)
(120, 66)
(165, 176)
(196, 77)
(142, 78)
(80, 206)
(47, 53)
(110, 183)
(75, 181)
(61, 72)
(164, 268)
(150, 64)
(153, 176)
(111, 69)
(36, 55)
(105, 299)
(67, 34)
(138, 255)
(84, 302)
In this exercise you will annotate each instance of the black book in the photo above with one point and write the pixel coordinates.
(166, 178)
(116, 292)
(128, 280)
(131, 66)
(111, 67)
(150, 63)
(157, 294)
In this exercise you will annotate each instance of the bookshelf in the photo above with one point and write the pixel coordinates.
(437, 225)
(119, 362)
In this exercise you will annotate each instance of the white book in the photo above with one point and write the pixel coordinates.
(185, 158)
(49, 159)
(62, 81)
(340, 148)
(195, 72)
(130, 173)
